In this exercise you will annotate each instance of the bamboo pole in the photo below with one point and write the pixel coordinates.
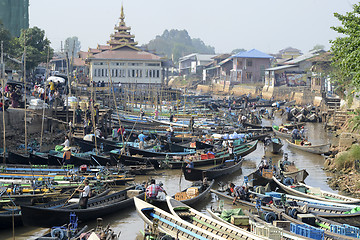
(3, 101)
(43, 113)
(116, 108)
(25, 115)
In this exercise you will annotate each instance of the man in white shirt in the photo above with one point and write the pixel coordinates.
(84, 195)
(66, 143)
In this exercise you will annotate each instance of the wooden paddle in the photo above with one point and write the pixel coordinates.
(73, 193)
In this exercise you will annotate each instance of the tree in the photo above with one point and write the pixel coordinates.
(346, 49)
(37, 47)
(5, 36)
(177, 43)
(238, 50)
(318, 47)
(72, 46)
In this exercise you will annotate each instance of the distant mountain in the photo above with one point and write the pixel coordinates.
(178, 43)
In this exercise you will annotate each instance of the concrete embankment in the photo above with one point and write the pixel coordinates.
(301, 95)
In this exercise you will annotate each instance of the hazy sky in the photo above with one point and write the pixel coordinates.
(228, 24)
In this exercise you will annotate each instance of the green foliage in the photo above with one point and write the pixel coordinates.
(346, 49)
(346, 159)
(318, 47)
(237, 50)
(72, 46)
(355, 121)
(177, 43)
(37, 47)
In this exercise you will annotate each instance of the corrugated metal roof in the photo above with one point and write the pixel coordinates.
(253, 53)
(305, 57)
(280, 67)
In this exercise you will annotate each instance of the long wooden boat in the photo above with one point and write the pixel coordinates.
(316, 193)
(170, 225)
(326, 213)
(49, 216)
(256, 126)
(229, 167)
(118, 158)
(257, 178)
(184, 212)
(282, 134)
(204, 190)
(220, 157)
(148, 153)
(317, 149)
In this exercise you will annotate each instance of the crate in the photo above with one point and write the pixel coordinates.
(282, 224)
(239, 220)
(267, 173)
(266, 230)
(211, 156)
(181, 196)
(204, 156)
(346, 230)
(192, 192)
(307, 231)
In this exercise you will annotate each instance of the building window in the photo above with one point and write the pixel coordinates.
(249, 63)
(102, 72)
(146, 73)
(157, 73)
(248, 75)
(153, 64)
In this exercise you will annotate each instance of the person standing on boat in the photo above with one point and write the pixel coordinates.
(153, 190)
(114, 134)
(190, 163)
(84, 195)
(239, 192)
(141, 138)
(156, 113)
(171, 119)
(302, 132)
(66, 155)
(191, 124)
(66, 143)
(231, 149)
(142, 114)
(78, 114)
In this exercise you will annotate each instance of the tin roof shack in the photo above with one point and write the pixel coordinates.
(320, 71)
(249, 67)
(213, 71)
(292, 73)
(194, 63)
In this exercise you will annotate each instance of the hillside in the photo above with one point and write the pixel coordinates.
(178, 43)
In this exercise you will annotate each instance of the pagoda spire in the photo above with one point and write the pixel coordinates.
(122, 15)
(122, 36)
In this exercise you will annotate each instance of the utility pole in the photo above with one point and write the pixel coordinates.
(3, 99)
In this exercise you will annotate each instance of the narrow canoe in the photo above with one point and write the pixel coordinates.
(281, 134)
(229, 167)
(204, 190)
(184, 212)
(317, 193)
(170, 225)
(220, 157)
(48, 217)
(317, 149)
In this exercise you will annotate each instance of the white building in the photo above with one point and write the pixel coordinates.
(123, 62)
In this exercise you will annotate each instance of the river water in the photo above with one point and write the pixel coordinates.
(130, 224)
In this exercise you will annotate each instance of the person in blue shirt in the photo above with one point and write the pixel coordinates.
(141, 138)
(190, 163)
